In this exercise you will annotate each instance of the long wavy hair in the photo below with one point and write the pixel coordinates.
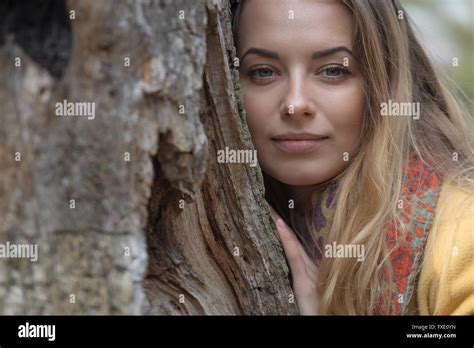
(394, 66)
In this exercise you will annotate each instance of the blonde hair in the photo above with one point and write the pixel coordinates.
(394, 66)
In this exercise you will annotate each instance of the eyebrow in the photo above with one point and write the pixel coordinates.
(316, 55)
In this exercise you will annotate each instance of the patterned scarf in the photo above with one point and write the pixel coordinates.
(419, 195)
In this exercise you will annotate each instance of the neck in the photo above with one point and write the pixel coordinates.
(300, 196)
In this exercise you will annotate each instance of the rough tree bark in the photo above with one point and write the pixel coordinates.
(131, 211)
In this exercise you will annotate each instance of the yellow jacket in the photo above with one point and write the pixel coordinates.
(445, 284)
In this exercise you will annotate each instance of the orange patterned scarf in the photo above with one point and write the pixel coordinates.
(420, 191)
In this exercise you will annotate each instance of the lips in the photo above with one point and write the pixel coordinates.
(298, 142)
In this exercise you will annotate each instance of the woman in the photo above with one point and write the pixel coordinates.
(367, 158)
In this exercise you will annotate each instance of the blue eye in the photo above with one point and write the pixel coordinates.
(335, 72)
(261, 73)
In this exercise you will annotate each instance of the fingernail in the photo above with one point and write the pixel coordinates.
(280, 223)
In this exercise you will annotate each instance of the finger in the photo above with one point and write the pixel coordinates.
(292, 251)
(275, 215)
(310, 266)
(288, 229)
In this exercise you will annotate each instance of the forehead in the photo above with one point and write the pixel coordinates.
(315, 24)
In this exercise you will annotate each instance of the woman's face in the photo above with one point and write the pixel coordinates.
(302, 91)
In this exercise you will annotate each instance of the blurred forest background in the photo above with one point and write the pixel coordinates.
(446, 30)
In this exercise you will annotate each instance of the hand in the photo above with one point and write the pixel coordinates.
(304, 270)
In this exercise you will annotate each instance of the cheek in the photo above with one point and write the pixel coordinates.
(256, 110)
(344, 111)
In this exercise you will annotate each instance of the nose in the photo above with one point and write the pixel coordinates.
(298, 103)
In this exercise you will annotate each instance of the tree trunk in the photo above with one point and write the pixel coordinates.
(130, 209)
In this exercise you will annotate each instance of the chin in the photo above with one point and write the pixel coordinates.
(299, 179)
